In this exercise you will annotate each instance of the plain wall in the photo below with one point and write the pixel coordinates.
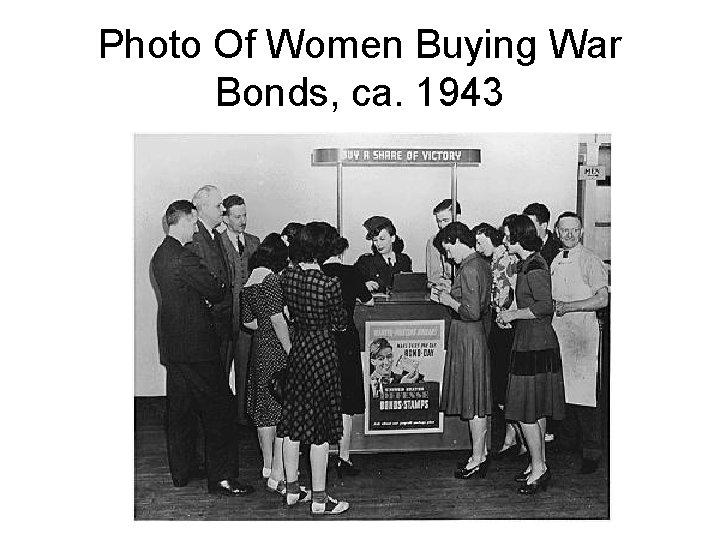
(274, 175)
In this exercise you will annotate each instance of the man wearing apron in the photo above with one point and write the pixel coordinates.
(579, 289)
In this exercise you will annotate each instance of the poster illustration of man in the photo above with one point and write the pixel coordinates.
(404, 365)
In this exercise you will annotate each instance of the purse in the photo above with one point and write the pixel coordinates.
(276, 384)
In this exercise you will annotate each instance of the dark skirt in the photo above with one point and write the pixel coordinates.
(500, 343)
(466, 378)
(535, 386)
(352, 390)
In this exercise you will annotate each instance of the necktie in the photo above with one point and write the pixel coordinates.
(566, 252)
(240, 246)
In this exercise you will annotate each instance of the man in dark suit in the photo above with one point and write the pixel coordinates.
(196, 383)
(239, 246)
(207, 244)
(540, 216)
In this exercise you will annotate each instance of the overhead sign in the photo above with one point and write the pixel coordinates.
(426, 157)
(589, 172)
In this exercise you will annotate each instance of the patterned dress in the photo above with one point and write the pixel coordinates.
(311, 411)
(466, 378)
(260, 302)
(501, 339)
(535, 384)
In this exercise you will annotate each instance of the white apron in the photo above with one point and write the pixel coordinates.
(578, 333)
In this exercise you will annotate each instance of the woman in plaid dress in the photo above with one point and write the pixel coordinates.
(311, 412)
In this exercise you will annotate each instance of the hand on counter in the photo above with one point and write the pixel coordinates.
(372, 286)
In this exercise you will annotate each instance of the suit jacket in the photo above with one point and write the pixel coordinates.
(238, 267)
(187, 332)
(372, 267)
(550, 248)
(213, 255)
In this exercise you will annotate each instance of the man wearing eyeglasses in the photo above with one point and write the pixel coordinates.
(579, 290)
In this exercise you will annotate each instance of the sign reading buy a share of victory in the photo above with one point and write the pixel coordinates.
(404, 363)
(463, 157)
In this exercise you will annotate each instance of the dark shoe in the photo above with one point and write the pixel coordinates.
(231, 488)
(521, 476)
(345, 467)
(589, 466)
(461, 464)
(180, 482)
(508, 453)
(479, 470)
(538, 485)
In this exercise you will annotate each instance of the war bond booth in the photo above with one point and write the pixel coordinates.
(405, 331)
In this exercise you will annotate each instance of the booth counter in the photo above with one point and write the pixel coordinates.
(402, 308)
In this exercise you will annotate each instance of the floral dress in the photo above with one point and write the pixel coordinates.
(260, 302)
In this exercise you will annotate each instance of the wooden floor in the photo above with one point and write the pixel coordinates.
(398, 486)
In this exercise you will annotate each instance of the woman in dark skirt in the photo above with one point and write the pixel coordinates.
(466, 387)
(311, 412)
(348, 342)
(489, 242)
(535, 384)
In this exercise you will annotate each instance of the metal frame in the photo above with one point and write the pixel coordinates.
(328, 157)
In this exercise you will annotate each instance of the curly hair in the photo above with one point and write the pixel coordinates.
(314, 242)
(494, 235)
(272, 253)
(452, 233)
(386, 225)
(523, 232)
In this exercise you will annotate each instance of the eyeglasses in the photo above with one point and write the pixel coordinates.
(568, 231)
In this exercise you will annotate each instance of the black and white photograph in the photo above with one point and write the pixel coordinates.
(321, 268)
(372, 326)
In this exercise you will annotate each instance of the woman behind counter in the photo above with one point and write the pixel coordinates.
(466, 379)
(311, 411)
(535, 382)
(387, 259)
(348, 341)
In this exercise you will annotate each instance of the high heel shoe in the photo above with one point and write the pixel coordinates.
(539, 484)
(522, 476)
(345, 467)
(509, 453)
(480, 470)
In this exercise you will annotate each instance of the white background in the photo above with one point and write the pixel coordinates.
(67, 169)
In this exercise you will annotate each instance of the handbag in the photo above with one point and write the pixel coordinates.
(276, 384)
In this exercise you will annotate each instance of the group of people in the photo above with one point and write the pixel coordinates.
(523, 301)
(277, 317)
